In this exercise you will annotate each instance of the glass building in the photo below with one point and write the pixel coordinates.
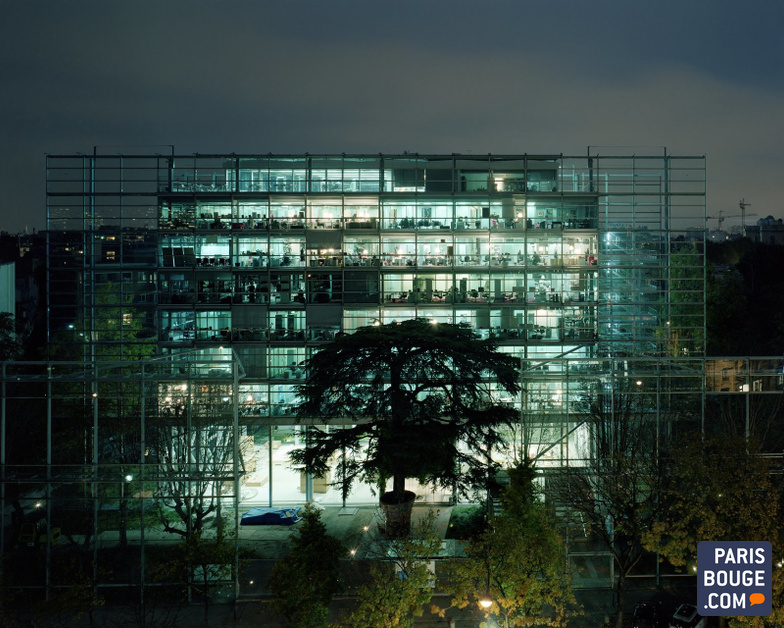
(187, 291)
(578, 265)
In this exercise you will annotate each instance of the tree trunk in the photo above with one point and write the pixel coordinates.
(399, 485)
(620, 600)
(206, 596)
(123, 522)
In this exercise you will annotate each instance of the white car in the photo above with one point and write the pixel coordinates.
(687, 617)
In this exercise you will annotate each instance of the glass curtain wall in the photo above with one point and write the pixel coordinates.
(554, 257)
(118, 463)
(130, 458)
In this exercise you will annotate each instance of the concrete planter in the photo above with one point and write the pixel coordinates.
(397, 514)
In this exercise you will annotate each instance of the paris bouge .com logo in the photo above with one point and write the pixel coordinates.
(734, 578)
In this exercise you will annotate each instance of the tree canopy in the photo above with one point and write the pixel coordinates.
(399, 581)
(304, 582)
(518, 561)
(745, 298)
(407, 400)
(10, 343)
(718, 489)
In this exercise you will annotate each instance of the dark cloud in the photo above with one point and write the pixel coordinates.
(451, 76)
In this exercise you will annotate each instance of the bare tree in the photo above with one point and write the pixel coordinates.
(194, 460)
(617, 493)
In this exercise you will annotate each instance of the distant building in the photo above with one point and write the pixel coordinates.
(718, 235)
(27, 254)
(742, 375)
(8, 287)
(767, 231)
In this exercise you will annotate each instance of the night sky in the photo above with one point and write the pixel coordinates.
(370, 76)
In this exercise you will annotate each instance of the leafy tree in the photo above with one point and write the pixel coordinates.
(617, 495)
(10, 343)
(719, 489)
(400, 581)
(112, 329)
(421, 400)
(78, 599)
(725, 307)
(518, 561)
(304, 582)
(72, 597)
(200, 563)
(685, 329)
(745, 302)
(162, 603)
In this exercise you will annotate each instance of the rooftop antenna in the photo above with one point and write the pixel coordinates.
(743, 205)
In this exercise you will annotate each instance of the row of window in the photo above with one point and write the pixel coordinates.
(440, 178)
(370, 213)
(541, 286)
(545, 323)
(248, 251)
(277, 399)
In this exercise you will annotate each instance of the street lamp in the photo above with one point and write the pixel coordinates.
(486, 600)
(124, 510)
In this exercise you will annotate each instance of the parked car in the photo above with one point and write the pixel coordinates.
(270, 517)
(648, 615)
(687, 617)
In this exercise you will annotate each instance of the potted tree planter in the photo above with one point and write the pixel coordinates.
(397, 513)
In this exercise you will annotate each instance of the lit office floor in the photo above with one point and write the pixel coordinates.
(288, 485)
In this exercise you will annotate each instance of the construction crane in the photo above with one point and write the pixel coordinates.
(721, 218)
(743, 205)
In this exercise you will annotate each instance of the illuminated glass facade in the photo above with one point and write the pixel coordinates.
(563, 260)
